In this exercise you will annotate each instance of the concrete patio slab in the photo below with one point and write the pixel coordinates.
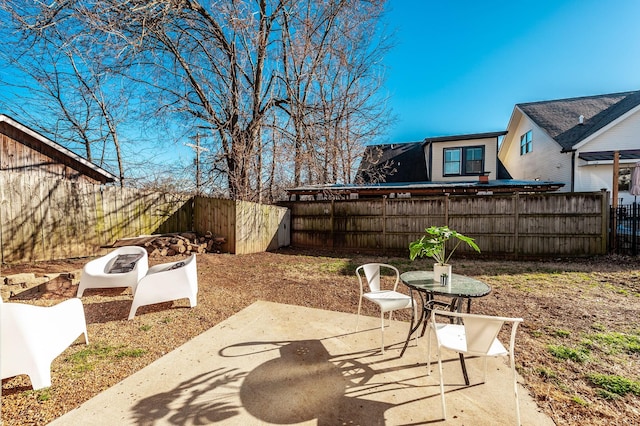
(283, 364)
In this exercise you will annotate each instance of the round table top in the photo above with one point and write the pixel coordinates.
(461, 286)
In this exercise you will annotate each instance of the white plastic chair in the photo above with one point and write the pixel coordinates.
(33, 336)
(103, 272)
(166, 282)
(475, 335)
(387, 300)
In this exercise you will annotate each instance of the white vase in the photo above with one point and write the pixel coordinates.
(440, 270)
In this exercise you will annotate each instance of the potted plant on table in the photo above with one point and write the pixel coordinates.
(434, 244)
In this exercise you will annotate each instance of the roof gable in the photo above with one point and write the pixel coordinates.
(561, 118)
(34, 140)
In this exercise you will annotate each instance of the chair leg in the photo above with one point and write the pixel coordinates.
(415, 315)
(444, 408)
(515, 390)
(382, 330)
(429, 353)
(358, 318)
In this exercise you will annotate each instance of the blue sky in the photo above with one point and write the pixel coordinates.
(460, 66)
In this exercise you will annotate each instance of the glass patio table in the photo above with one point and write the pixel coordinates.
(427, 288)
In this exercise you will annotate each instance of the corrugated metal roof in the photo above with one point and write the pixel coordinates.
(429, 188)
(630, 154)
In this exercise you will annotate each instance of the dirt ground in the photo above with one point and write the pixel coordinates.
(589, 308)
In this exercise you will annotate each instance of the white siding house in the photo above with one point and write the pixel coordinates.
(574, 141)
(545, 161)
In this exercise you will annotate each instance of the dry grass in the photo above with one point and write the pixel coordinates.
(585, 310)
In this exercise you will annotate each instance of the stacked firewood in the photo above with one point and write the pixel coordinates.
(185, 243)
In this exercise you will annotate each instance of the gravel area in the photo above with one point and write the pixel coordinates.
(565, 303)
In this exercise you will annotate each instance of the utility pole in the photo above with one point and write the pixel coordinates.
(197, 148)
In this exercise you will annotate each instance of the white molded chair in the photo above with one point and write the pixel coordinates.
(387, 300)
(475, 335)
(114, 270)
(33, 336)
(166, 282)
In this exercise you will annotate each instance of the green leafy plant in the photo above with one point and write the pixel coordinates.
(565, 353)
(85, 359)
(579, 401)
(616, 385)
(562, 333)
(132, 353)
(41, 395)
(546, 373)
(615, 342)
(434, 244)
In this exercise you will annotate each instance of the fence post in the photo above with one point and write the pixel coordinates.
(384, 223)
(516, 219)
(634, 230)
(332, 222)
(606, 215)
(446, 209)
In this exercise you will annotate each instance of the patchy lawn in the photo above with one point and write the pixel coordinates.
(578, 349)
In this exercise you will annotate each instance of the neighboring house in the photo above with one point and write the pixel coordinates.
(464, 157)
(445, 160)
(23, 150)
(574, 141)
(460, 164)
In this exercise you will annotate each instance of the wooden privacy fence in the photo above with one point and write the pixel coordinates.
(564, 224)
(248, 227)
(45, 219)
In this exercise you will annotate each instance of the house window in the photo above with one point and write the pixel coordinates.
(452, 161)
(474, 160)
(525, 143)
(463, 161)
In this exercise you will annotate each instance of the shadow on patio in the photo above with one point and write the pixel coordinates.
(283, 364)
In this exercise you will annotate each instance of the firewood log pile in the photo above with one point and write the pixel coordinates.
(185, 243)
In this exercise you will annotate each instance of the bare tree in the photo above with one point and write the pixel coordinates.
(331, 54)
(207, 65)
(69, 78)
(286, 91)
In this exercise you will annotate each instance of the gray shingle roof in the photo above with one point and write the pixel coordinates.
(560, 118)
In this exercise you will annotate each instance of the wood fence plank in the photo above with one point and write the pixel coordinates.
(555, 224)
